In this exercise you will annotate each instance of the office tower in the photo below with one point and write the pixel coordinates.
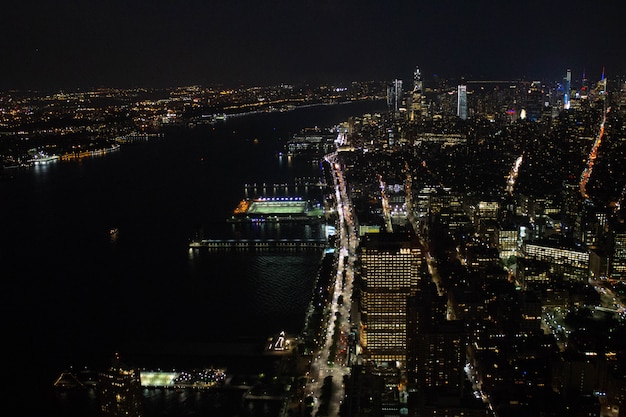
(584, 88)
(390, 273)
(120, 391)
(461, 109)
(567, 258)
(425, 309)
(567, 87)
(534, 101)
(441, 358)
(598, 92)
(618, 256)
(417, 105)
(394, 95)
(436, 353)
(571, 202)
(417, 81)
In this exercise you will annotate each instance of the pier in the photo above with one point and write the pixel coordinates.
(301, 186)
(260, 245)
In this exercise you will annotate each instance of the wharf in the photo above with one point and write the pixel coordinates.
(261, 245)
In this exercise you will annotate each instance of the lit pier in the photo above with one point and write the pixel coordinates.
(277, 209)
(260, 245)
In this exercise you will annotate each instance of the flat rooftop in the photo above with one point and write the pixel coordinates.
(278, 206)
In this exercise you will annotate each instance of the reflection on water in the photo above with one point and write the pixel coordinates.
(229, 401)
(76, 294)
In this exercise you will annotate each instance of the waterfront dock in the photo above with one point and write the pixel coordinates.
(260, 245)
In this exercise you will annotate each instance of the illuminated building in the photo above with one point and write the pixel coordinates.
(120, 391)
(567, 87)
(534, 101)
(461, 109)
(602, 84)
(417, 105)
(391, 265)
(437, 353)
(394, 95)
(618, 258)
(571, 204)
(445, 139)
(441, 357)
(584, 88)
(599, 92)
(568, 260)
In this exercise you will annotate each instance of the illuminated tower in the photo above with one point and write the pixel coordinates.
(461, 108)
(120, 391)
(602, 84)
(534, 101)
(599, 92)
(394, 95)
(391, 266)
(567, 87)
(584, 88)
(416, 95)
(618, 255)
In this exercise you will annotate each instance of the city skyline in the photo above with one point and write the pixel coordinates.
(513, 269)
(70, 45)
(424, 200)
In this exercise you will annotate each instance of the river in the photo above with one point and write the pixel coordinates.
(74, 294)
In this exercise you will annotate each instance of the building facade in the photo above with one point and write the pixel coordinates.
(461, 109)
(390, 273)
(120, 391)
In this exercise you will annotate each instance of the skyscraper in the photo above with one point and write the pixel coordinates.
(618, 255)
(417, 106)
(602, 84)
(567, 88)
(584, 88)
(441, 358)
(394, 95)
(120, 391)
(534, 101)
(391, 266)
(461, 109)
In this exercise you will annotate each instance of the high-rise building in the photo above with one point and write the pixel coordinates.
(566, 257)
(417, 81)
(394, 95)
(441, 358)
(120, 391)
(618, 256)
(567, 88)
(600, 89)
(461, 108)
(437, 353)
(417, 98)
(535, 101)
(390, 273)
(427, 308)
(584, 87)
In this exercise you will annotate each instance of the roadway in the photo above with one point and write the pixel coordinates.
(322, 365)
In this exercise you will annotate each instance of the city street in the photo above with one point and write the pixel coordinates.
(324, 366)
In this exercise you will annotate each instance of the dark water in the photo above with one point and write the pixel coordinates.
(72, 296)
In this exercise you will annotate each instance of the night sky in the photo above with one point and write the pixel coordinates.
(69, 44)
